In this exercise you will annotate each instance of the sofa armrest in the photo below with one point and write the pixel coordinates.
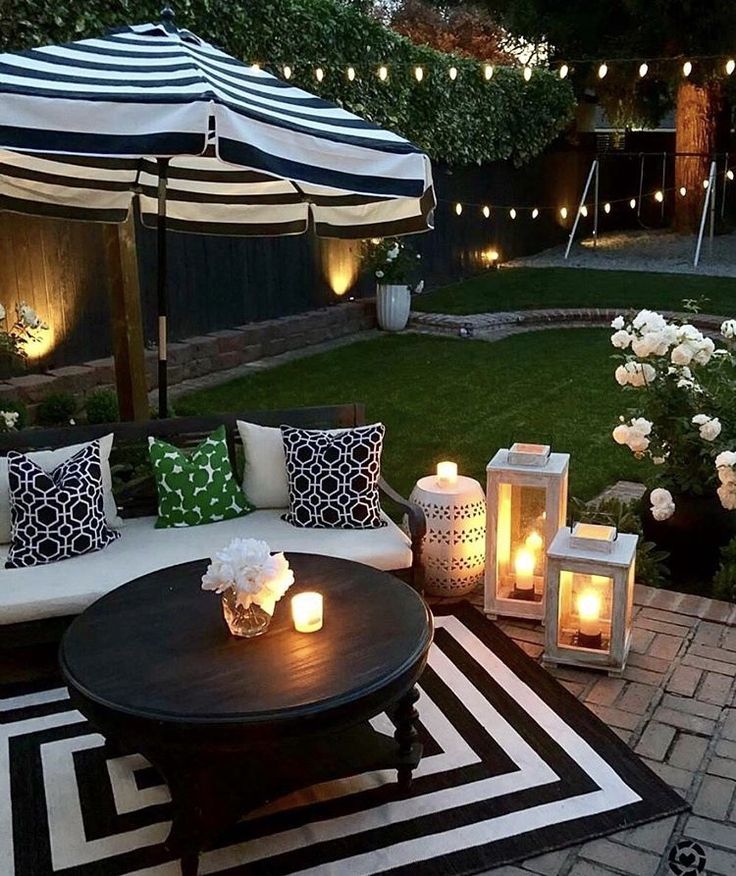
(417, 530)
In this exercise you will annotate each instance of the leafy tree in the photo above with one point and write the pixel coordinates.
(647, 29)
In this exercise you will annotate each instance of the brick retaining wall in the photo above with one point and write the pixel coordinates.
(205, 354)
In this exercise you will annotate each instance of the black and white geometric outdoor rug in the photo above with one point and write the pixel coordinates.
(513, 766)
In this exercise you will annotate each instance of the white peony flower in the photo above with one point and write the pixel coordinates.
(728, 329)
(618, 323)
(621, 339)
(727, 495)
(662, 504)
(247, 566)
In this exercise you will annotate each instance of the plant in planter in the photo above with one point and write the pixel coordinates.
(394, 264)
(683, 420)
(26, 328)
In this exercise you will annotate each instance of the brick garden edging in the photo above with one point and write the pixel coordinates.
(204, 354)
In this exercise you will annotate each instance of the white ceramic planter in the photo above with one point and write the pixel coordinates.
(393, 304)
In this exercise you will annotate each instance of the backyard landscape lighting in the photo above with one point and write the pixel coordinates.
(458, 209)
(527, 73)
(729, 174)
(602, 71)
(453, 73)
(319, 74)
(643, 70)
(606, 207)
(659, 197)
(446, 473)
(563, 212)
(488, 71)
(383, 73)
(307, 612)
(487, 211)
(512, 213)
(687, 68)
(287, 72)
(584, 211)
(351, 73)
(683, 191)
(632, 203)
(564, 70)
(730, 66)
(535, 213)
(419, 74)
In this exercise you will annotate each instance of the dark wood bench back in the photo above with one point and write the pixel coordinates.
(132, 477)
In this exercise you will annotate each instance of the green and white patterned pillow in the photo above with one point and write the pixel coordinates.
(196, 488)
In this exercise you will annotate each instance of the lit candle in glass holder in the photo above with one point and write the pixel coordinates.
(524, 563)
(446, 474)
(589, 612)
(307, 612)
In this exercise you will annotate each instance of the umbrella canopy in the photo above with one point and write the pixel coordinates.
(83, 124)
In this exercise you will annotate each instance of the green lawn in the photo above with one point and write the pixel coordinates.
(459, 399)
(524, 288)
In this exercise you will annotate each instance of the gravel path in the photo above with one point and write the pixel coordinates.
(660, 251)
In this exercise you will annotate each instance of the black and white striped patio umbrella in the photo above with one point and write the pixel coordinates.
(204, 142)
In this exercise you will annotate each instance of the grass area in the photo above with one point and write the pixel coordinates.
(527, 288)
(449, 398)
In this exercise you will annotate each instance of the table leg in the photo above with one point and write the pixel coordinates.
(410, 751)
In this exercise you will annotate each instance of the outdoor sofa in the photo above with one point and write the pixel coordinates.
(37, 602)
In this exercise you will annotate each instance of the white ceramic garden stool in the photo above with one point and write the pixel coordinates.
(393, 305)
(454, 547)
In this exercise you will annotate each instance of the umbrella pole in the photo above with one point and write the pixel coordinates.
(162, 290)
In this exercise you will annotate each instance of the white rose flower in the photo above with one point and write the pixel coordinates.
(726, 475)
(659, 460)
(618, 323)
(621, 375)
(621, 434)
(663, 512)
(621, 339)
(727, 495)
(644, 346)
(682, 354)
(688, 332)
(649, 321)
(705, 351)
(662, 504)
(700, 419)
(10, 419)
(379, 274)
(728, 329)
(711, 430)
(642, 425)
(726, 458)
(638, 443)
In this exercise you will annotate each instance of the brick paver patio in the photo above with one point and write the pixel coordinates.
(675, 706)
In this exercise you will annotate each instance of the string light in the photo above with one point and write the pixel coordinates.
(632, 203)
(602, 71)
(606, 207)
(564, 70)
(255, 66)
(488, 71)
(563, 212)
(458, 209)
(419, 74)
(659, 197)
(512, 213)
(584, 211)
(351, 74)
(687, 69)
(383, 73)
(705, 183)
(729, 174)
(320, 74)
(643, 70)
(535, 213)
(683, 191)
(453, 73)
(730, 66)
(527, 74)
(487, 212)
(287, 72)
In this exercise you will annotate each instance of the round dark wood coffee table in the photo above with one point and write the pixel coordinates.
(233, 723)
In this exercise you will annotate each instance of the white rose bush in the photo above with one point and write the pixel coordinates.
(15, 338)
(683, 416)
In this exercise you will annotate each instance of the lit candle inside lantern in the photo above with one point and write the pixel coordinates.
(524, 567)
(306, 612)
(589, 612)
(534, 541)
(446, 474)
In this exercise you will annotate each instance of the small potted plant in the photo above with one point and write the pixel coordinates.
(26, 329)
(394, 264)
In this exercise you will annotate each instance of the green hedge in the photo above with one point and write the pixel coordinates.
(464, 122)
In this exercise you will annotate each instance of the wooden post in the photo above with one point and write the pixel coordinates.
(127, 325)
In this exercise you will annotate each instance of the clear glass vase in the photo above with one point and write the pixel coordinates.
(244, 622)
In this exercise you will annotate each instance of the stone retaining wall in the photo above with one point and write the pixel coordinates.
(197, 356)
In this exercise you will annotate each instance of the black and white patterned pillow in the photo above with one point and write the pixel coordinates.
(58, 514)
(333, 477)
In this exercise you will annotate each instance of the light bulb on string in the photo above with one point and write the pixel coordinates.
(730, 66)
(705, 183)
(418, 74)
(659, 197)
(564, 70)
(351, 74)
(319, 74)
(488, 71)
(729, 174)
(643, 70)
(683, 191)
(383, 73)
(687, 68)
(632, 203)
(453, 73)
(563, 212)
(512, 213)
(602, 71)
(527, 73)
(458, 209)
(584, 211)
(487, 212)
(606, 207)
(535, 213)
(255, 66)
(287, 72)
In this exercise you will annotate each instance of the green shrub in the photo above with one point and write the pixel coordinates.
(724, 582)
(20, 408)
(101, 406)
(57, 409)
(626, 517)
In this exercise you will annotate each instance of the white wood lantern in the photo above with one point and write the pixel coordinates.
(590, 594)
(526, 501)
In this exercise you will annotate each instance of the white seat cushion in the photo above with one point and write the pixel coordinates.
(69, 586)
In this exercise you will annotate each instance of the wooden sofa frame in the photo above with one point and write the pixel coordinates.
(137, 498)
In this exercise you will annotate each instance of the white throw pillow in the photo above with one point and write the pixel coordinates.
(265, 483)
(48, 461)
